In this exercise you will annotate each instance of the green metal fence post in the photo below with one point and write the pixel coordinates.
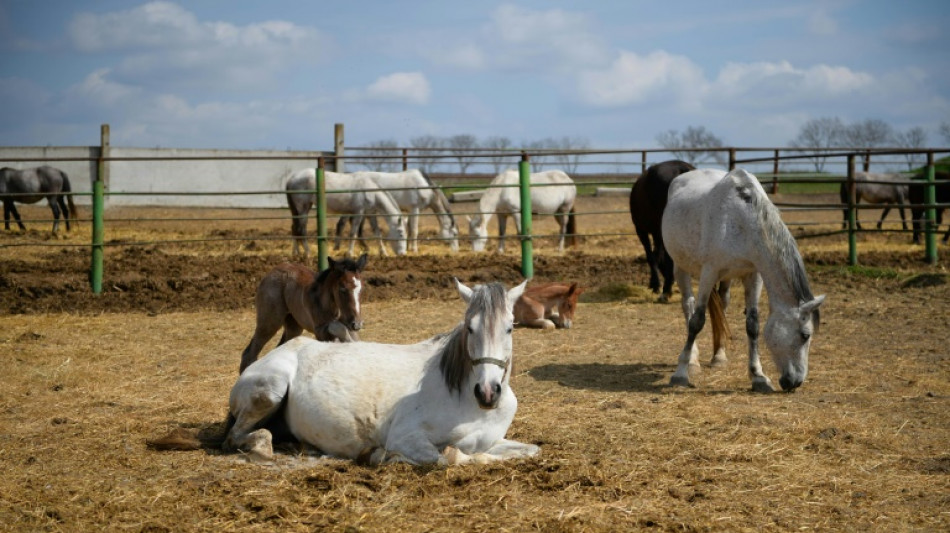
(527, 247)
(852, 216)
(98, 207)
(322, 261)
(930, 197)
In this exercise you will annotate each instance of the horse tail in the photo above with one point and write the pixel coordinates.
(717, 316)
(572, 227)
(73, 212)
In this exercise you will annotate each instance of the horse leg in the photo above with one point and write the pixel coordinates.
(7, 204)
(562, 223)
(414, 229)
(256, 397)
(880, 223)
(340, 226)
(502, 225)
(531, 313)
(270, 314)
(16, 214)
(689, 358)
(753, 289)
(292, 329)
(499, 451)
(61, 200)
(55, 209)
(644, 237)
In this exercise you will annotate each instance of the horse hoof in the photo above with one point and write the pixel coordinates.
(663, 299)
(677, 381)
(762, 386)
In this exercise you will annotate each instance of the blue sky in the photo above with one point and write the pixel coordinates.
(279, 74)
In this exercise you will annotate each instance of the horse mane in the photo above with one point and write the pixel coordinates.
(781, 244)
(454, 360)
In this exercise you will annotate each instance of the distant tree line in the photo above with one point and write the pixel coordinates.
(695, 144)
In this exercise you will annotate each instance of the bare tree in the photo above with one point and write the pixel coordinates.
(460, 146)
(869, 133)
(380, 149)
(428, 154)
(695, 145)
(500, 144)
(538, 151)
(567, 158)
(820, 133)
(945, 131)
(915, 139)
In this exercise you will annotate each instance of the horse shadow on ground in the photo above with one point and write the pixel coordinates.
(636, 377)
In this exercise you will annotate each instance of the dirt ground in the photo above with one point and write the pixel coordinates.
(88, 379)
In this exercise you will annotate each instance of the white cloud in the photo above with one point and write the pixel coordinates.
(404, 87)
(164, 45)
(635, 79)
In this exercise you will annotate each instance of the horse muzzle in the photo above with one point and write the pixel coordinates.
(488, 395)
(789, 383)
(356, 325)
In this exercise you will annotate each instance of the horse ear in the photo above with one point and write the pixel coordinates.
(330, 262)
(572, 289)
(808, 307)
(515, 292)
(464, 292)
(361, 262)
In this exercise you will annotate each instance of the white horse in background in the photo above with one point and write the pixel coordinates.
(347, 195)
(414, 191)
(552, 192)
(719, 226)
(446, 400)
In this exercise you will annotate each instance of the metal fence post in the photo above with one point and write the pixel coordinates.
(322, 262)
(527, 247)
(98, 207)
(930, 198)
(852, 215)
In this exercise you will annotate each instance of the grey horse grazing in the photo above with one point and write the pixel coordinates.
(878, 188)
(720, 226)
(32, 185)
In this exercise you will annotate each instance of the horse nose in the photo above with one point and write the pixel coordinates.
(488, 396)
(566, 323)
(356, 325)
(788, 384)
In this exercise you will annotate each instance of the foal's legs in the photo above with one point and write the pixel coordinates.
(271, 312)
(753, 289)
(531, 313)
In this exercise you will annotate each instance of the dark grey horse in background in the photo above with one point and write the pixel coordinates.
(878, 188)
(917, 198)
(647, 202)
(32, 185)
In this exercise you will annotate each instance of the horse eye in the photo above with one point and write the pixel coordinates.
(805, 337)
(508, 331)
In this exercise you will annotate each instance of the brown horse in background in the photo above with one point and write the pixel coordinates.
(293, 296)
(647, 202)
(535, 307)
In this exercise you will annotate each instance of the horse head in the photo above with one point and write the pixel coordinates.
(788, 333)
(484, 348)
(478, 232)
(568, 305)
(397, 235)
(344, 282)
(450, 232)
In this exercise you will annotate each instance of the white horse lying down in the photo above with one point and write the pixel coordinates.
(445, 400)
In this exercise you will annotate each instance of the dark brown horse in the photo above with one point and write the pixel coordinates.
(917, 197)
(535, 308)
(647, 202)
(293, 296)
(32, 185)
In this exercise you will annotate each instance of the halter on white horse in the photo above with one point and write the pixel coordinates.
(443, 400)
